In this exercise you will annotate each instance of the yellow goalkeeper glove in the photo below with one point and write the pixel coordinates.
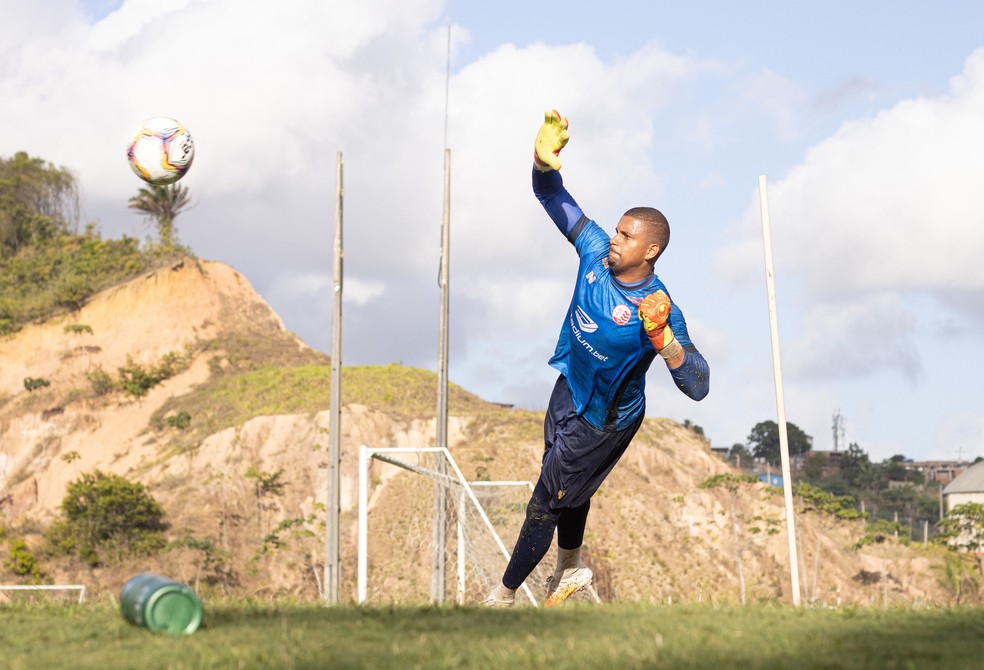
(551, 138)
(654, 311)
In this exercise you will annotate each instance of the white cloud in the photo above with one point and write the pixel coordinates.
(876, 228)
(877, 219)
(893, 201)
(129, 20)
(856, 338)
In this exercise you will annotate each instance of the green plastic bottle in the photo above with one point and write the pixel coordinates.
(160, 604)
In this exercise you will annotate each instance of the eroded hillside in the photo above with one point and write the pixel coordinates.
(244, 481)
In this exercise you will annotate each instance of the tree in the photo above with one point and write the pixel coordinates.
(163, 204)
(764, 441)
(265, 483)
(963, 529)
(740, 455)
(106, 514)
(813, 470)
(858, 470)
(895, 469)
(38, 202)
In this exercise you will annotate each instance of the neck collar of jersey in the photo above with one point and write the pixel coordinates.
(632, 286)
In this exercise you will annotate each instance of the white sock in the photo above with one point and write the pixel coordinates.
(567, 559)
(502, 592)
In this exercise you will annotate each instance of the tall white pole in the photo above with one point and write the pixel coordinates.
(362, 570)
(333, 521)
(440, 502)
(461, 547)
(438, 577)
(787, 483)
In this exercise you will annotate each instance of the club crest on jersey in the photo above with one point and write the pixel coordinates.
(621, 314)
(584, 322)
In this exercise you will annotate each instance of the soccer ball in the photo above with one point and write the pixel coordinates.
(161, 151)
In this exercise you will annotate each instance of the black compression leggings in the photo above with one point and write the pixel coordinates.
(537, 534)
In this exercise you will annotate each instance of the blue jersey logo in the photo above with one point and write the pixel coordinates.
(584, 322)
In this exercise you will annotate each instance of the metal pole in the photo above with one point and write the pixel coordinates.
(439, 578)
(462, 511)
(440, 502)
(363, 560)
(787, 482)
(333, 521)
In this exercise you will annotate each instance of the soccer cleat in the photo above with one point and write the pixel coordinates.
(572, 581)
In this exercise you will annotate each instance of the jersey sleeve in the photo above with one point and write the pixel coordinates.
(694, 376)
(558, 203)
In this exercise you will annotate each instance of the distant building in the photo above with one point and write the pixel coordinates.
(943, 472)
(831, 461)
(967, 487)
(771, 478)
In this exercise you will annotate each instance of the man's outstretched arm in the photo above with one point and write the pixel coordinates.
(548, 186)
(687, 366)
(693, 375)
(558, 203)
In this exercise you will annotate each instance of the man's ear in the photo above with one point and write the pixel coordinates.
(652, 252)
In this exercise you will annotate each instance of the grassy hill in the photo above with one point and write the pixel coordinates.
(228, 432)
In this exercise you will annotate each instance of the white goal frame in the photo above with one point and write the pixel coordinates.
(466, 497)
(46, 587)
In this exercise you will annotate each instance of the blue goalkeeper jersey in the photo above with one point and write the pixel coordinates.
(602, 350)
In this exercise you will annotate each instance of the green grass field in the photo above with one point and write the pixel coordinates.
(292, 635)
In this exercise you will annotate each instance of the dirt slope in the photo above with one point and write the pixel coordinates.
(653, 534)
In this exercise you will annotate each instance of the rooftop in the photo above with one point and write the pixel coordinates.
(970, 481)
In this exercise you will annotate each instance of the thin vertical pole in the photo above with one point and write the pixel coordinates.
(787, 483)
(438, 578)
(363, 560)
(462, 510)
(440, 502)
(333, 521)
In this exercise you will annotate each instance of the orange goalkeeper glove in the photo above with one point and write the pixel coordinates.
(551, 138)
(654, 311)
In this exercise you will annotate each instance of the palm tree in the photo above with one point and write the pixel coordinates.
(163, 204)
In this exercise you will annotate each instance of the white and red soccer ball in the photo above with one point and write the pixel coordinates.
(161, 151)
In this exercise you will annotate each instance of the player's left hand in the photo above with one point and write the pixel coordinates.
(551, 138)
(654, 311)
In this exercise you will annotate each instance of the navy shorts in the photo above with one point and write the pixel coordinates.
(577, 456)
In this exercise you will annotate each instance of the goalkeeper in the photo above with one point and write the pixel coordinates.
(620, 319)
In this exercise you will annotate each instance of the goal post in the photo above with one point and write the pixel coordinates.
(46, 587)
(478, 547)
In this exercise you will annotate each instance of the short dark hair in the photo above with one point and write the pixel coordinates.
(656, 223)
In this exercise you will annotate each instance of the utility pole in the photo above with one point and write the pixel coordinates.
(787, 480)
(838, 430)
(439, 577)
(333, 531)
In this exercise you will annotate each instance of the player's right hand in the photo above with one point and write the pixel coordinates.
(551, 138)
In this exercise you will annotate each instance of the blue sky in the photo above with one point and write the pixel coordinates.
(866, 118)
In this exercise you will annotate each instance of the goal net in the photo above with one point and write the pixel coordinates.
(428, 535)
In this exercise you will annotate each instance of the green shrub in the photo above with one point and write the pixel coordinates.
(23, 563)
(136, 380)
(77, 328)
(33, 384)
(100, 381)
(181, 420)
(105, 516)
